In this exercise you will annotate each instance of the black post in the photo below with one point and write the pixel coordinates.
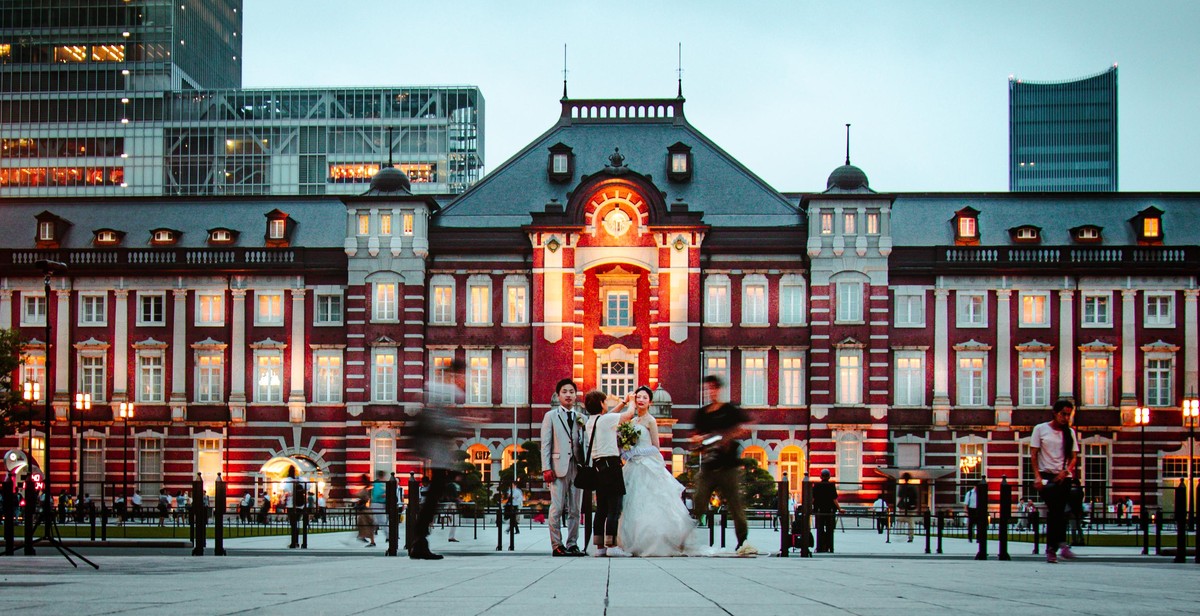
(1005, 514)
(981, 525)
(785, 532)
(10, 513)
(392, 504)
(1035, 521)
(199, 518)
(724, 526)
(1158, 528)
(1144, 521)
(941, 526)
(29, 512)
(712, 528)
(805, 519)
(512, 512)
(586, 511)
(414, 506)
(103, 522)
(1180, 524)
(928, 529)
(305, 514)
(219, 518)
(499, 527)
(293, 511)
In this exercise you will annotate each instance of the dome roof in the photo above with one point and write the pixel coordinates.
(847, 178)
(660, 396)
(389, 180)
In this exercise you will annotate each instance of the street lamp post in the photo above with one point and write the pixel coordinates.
(1191, 411)
(125, 411)
(83, 402)
(1141, 416)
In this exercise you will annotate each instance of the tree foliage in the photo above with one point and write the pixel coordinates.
(14, 411)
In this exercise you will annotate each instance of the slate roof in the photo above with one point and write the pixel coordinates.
(320, 221)
(923, 219)
(722, 188)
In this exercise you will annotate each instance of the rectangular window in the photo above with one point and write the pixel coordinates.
(971, 380)
(1150, 228)
(328, 369)
(716, 363)
(33, 309)
(972, 308)
(275, 229)
(45, 231)
(439, 363)
(849, 301)
(479, 377)
(1034, 310)
(754, 304)
(383, 457)
(516, 307)
(971, 465)
(754, 378)
(269, 308)
(849, 377)
(1035, 381)
(210, 377)
(328, 310)
(678, 162)
(516, 378)
(91, 470)
(149, 469)
(443, 304)
(560, 163)
(791, 378)
(383, 380)
(385, 224)
(91, 375)
(93, 310)
(407, 221)
(208, 461)
(826, 223)
(152, 309)
(849, 454)
(210, 309)
(479, 304)
(872, 223)
(1095, 380)
(1158, 382)
(364, 224)
(150, 377)
(385, 305)
(910, 378)
(716, 303)
(908, 455)
(1159, 310)
(1096, 472)
(33, 370)
(849, 224)
(910, 308)
(1097, 310)
(618, 378)
(791, 304)
(268, 376)
(966, 227)
(617, 311)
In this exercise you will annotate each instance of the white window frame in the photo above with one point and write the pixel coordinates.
(825, 220)
(385, 224)
(716, 300)
(1159, 319)
(1027, 309)
(385, 301)
(620, 315)
(266, 391)
(268, 308)
(716, 363)
(439, 363)
(850, 307)
(793, 297)
(151, 376)
(1092, 318)
(383, 452)
(560, 162)
(206, 316)
(909, 386)
(792, 371)
(277, 229)
(849, 371)
(479, 378)
(147, 298)
(849, 461)
(363, 224)
(149, 467)
(479, 301)
(1163, 393)
(33, 368)
(516, 378)
(516, 300)
(850, 223)
(909, 307)
(1095, 392)
(754, 378)
(441, 300)
(207, 374)
(966, 383)
(34, 308)
(45, 230)
(679, 163)
(95, 383)
(323, 315)
(406, 220)
(93, 309)
(872, 225)
(385, 372)
(967, 316)
(613, 383)
(754, 300)
(1033, 379)
(964, 448)
(327, 376)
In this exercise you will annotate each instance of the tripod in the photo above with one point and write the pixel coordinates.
(47, 520)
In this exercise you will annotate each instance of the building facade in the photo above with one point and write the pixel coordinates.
(866, 333)
(1062, 135)
(112, 98)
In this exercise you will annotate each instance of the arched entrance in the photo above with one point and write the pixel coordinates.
(273, 472)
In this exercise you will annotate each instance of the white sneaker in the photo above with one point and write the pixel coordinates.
(747, 550)
(616, 552)
(600, 552)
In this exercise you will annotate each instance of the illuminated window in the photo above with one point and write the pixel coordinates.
(872, 223)
(383, 381)
(966, 227)
(479, 300)
(716, 363)
(209, 461)
(849, 376)
(210, 309)
(679, 162)
(716, 299)
(971, 378)
(46, 231)
(910, 378)
(754, 300)
(268, 376)
(364, 224)
(385, 305)
(220, 236)
(1034, 311)
(407, 221)
(93, 310)
(439, 363)
(385, 224)
(269, 308)
(1150, 227)
(756, 453)
(754, 378)
(210, 377)
(276, 229)
(849, 456)
(479, 377)
(70, 53)
(108, 53)
(33, 370)
(481, 458)
(826, 223)
(972, 463)
(441, 298)
(1097, 377)
(791, 378)
(791, 463)
(328, 368)
(1158, 379)
(1034, 380)
(516, 301)
(849, 223)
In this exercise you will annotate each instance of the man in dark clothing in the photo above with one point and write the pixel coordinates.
(718, 426)
(825, 505)
(435, 427)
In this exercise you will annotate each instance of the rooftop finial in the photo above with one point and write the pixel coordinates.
(564, 71)
(679, 70)
(847, 144)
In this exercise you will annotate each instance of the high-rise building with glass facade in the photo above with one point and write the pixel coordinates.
(142, 97)
(1062, 136)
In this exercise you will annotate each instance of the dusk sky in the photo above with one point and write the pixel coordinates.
(925, 84)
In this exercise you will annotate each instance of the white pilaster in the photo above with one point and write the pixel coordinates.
(941, 357)
(1128, 349)
(62, 344)
(121, 345)
(1004, 403)
(1066, 344)
(6, 308)
(237, 356)
(1191, 355)
(297, 345)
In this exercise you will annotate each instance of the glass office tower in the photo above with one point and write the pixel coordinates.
(142, 97)
(1063, 135)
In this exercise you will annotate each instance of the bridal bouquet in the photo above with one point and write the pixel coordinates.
(627, 436)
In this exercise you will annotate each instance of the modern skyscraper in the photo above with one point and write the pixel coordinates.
(1062, 136)
(112, 97)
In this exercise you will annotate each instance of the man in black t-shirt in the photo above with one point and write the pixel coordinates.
(718, 425)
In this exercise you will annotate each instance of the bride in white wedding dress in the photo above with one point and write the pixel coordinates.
(654, 520)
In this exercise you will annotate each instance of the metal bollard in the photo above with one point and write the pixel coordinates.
(1180, 525)
(805, 519)
(499, 527)
(724, 526)
(30, 518)
(586, 512)
(199, 519)
(1158, 528)
(1144, 521)
(941, 517)
(1035, 521)
(1005, 513)
(219, 518)
(512, 525)
(10, 514)
(414, 506)
(785, 533)
(392, 504)
(981, 522)
(712, 529)
(306, 514)
(928, 530)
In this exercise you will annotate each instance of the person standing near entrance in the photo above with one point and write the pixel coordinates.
(720, 425)
(968, 503)
(562, 450)
(908, 501)
(826, 507)
(605, 456)
(1054, 447)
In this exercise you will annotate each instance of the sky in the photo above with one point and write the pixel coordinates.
(773, 83)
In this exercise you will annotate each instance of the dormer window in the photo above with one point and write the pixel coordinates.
(45, 231)
(679, 162)
(221, 236)
(164, 237)
(1026, 234)
(107, 237)
(1087, 234)
(1147, 225)
(966, 227)
(50, 230)
(279, 229)
(275, 229)
(560, 167)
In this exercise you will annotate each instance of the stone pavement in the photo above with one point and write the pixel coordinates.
(338, 576)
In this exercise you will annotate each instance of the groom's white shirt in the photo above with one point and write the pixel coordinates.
(561, 438)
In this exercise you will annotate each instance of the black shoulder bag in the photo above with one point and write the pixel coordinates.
(587, 476)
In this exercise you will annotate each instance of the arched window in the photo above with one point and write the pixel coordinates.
(756, 453)
(481, 458)
(791, 463)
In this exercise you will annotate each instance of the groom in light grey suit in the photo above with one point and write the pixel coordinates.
(562, 447)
